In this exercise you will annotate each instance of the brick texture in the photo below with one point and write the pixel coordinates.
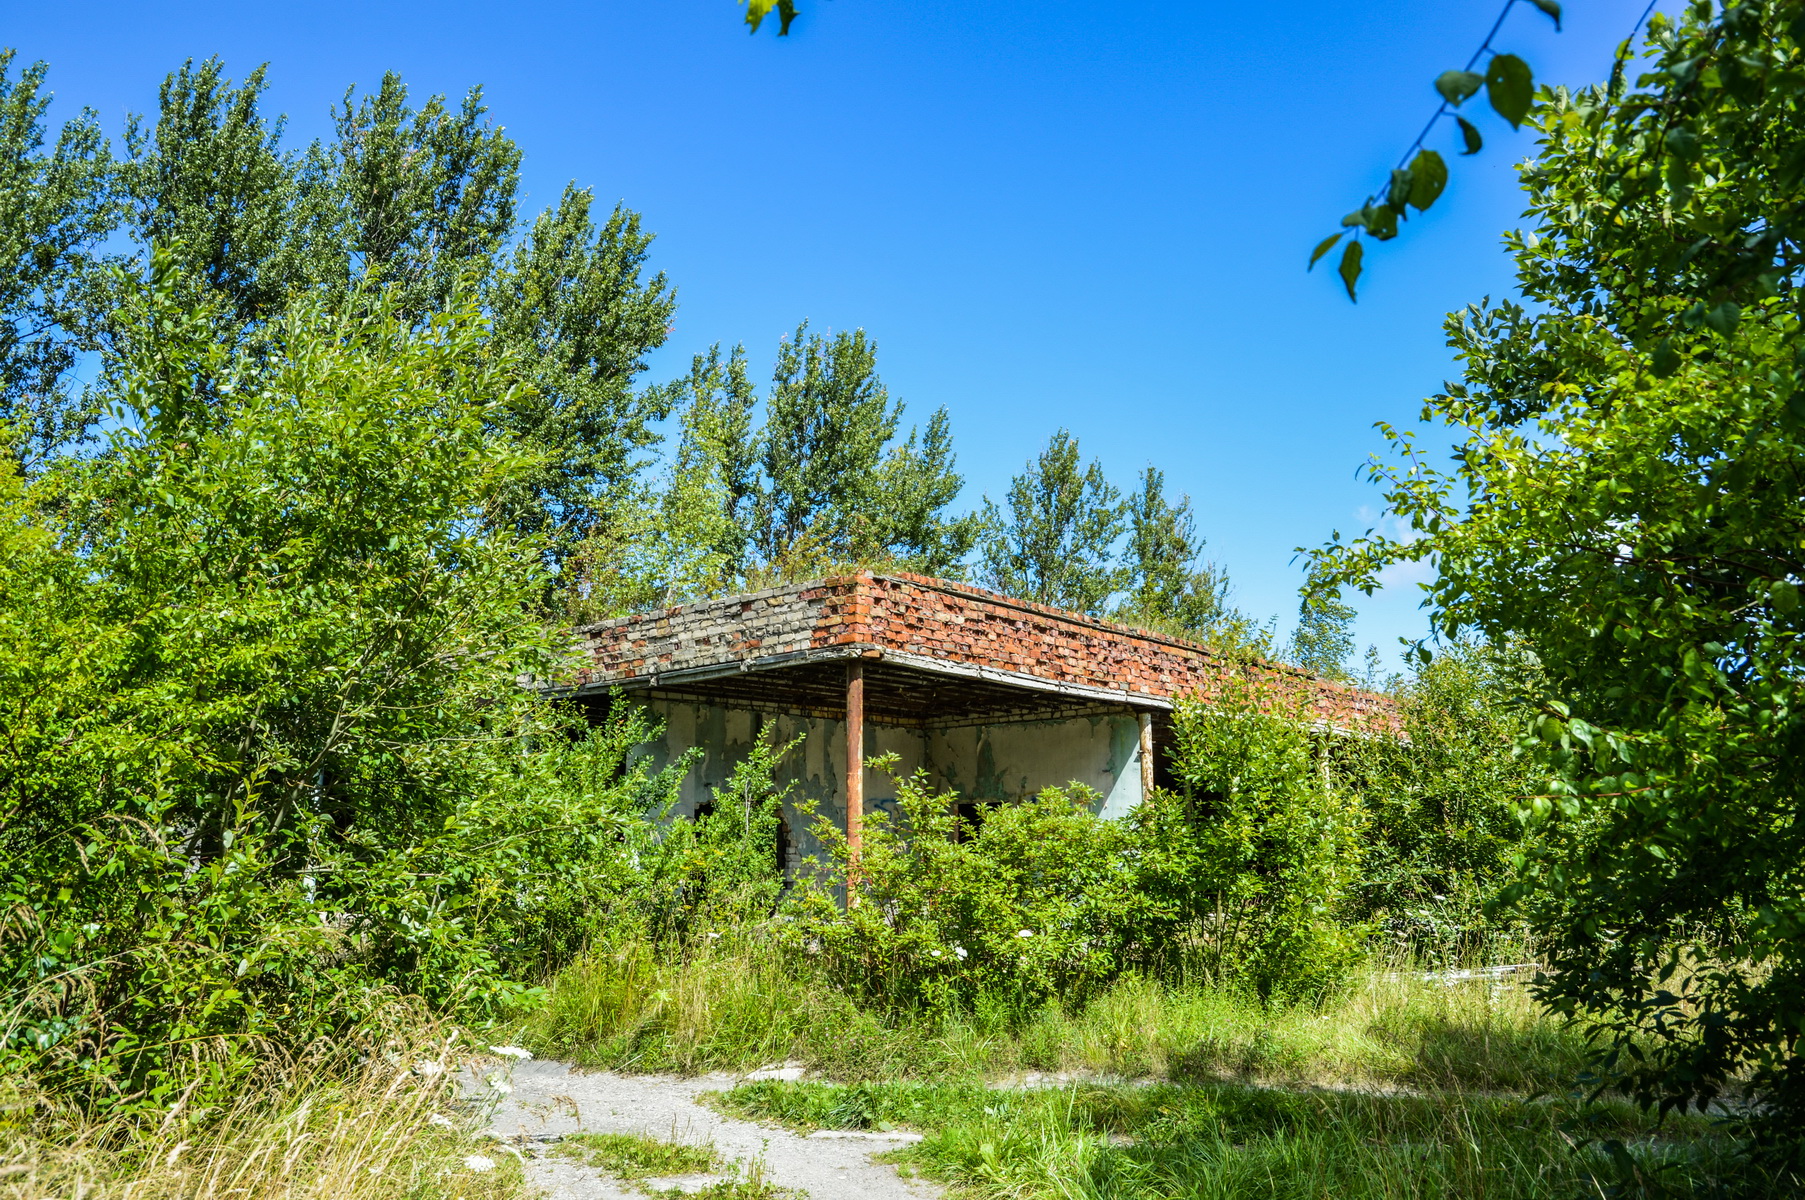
(954, 623)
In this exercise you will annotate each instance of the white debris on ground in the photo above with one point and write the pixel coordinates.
(550, 1101)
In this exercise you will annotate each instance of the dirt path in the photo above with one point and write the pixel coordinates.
(550, 1100)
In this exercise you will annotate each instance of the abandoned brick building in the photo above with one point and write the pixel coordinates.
(994, 698)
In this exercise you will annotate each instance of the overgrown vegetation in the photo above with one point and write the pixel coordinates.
(1095, 1140)
(1623, 506)
(278, 790)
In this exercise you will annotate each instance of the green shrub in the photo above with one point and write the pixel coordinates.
(1443, 801)
(268, 763)
(1256, 855)
(1040, 901)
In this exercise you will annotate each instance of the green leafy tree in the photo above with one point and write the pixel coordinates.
(1624, 504)
(55, 211)
(423, 199)
(1170, 588)
(1058, 543)
(577, 317)
(268, 759)
(209, 179)
(833, 485)
(1324, 638)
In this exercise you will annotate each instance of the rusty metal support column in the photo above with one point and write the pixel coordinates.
(855, 766)
(1146, 755)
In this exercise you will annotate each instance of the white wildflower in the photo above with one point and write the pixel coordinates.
(428, 1068)
(960, 951)
(511, 1052)
(1024, 933)
(479, 1162)
(500, 1087)
(442, 1121)
(934, 953)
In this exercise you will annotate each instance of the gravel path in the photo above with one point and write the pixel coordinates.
(551, 1100)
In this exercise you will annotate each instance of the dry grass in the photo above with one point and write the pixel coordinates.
(391, 1128)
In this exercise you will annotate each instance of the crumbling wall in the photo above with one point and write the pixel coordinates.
(954, 626)
(991, 762)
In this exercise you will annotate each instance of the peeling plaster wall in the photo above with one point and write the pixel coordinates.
(1016, 759)
(996, 762)
(815, 769)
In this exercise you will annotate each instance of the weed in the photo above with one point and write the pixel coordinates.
(633, 1157)
(742, 1002)
(1208, 1141)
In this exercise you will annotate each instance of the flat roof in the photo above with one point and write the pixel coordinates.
(935, 651)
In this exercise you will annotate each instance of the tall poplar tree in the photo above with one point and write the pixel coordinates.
(1171, 587)
(1057, 545)
(56, 209)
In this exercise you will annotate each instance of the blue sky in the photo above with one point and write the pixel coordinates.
(1047, 215)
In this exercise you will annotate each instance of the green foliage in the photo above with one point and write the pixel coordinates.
(1443, 799)
(832, 482)
(1057, 545)
(1422, 174)
(1039, 901)
(1257, 853)
(1324, 637)
(422, 200)
(269, 757)
(55, 210)
(1171, 590)
(812, 481)
(209, 181)
(1623, 507)
(577, 319)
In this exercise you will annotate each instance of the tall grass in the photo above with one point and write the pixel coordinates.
(1238, 1142)
(740, 1004)
(392, 1128)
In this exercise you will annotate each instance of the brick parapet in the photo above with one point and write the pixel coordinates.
(961, 624)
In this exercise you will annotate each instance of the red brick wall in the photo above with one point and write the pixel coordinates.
(957, 623)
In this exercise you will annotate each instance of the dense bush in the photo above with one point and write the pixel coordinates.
(1443, 801)
(1040, 900)
(1241, 878)
(1259, 851)
(267, 760)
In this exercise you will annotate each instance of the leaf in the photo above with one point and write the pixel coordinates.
(1552, 8)
(1349, 270)
(1456, 86)
(758, 10)
(1397, 195)
(1323, 247)
(1723, 318)
(1510, 87)
(1785, 595)
(1665, 360)
(1682, 143)
(1357, 217)
(1428, 176)
(1469, 135)
(1382, 223)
